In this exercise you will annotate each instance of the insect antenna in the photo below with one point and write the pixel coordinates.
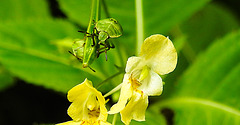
(91, 69)
(83, 32)
(80, 60)
(75, 56)
(71, 53)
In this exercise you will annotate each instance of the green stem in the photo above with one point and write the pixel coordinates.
(94, 15)
(114, 119)
(109, 78)
(139, 27)
(89, 49)
(113, 90)
(105, 9)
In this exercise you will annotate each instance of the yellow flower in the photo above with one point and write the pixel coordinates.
(88, 106)
(157, 57)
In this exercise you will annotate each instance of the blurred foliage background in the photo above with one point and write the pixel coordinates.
(36, 71)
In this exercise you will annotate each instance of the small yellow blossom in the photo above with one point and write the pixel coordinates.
(88, 106)
(157, 57)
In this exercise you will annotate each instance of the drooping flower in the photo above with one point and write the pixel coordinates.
(157, 57)
(88, 106)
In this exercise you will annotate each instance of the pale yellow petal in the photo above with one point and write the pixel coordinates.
(132, 63)
(70, 123)
(135, 108)
(152, 85)
(159, 53)
(125, 94)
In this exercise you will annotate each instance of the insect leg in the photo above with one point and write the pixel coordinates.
(83, 32)
(94, 21)
(99, 51)
(80, 60)
(111, 45)
(105, 49)
(105, 53)
(93, 40)
(71, 53)
(89, 35)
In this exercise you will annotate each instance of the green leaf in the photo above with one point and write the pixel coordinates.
(197, 33)
(212, 22)
(22, 9)
(162, 15)
(77, 10)
(209, 90)
(30, 55)
(6, 79)
(152, 118)
(33, 55)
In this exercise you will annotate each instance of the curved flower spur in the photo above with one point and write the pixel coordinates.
(157, 57)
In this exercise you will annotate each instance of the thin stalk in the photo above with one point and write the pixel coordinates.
(139, 27)
(89, 50)
(109, 78)
(94, 15)
(113, 90)
(114, 119)
(105, 9)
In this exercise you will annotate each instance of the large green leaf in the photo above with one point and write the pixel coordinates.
(23, 9)
(152, 118)
(77, 10)
(161, 15)
(212, 22)
(208, 91)
(195, 34)
(30, 55)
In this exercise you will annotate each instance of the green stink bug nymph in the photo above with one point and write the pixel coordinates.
(96, 42)
(108, 28)
(78, 49)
